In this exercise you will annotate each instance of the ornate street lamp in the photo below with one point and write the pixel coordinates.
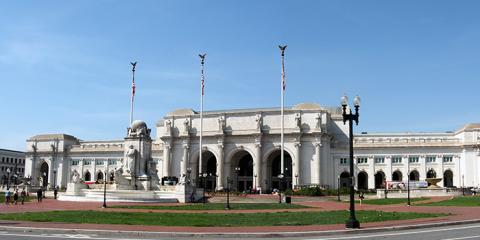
(54, 178)
(254, 183)
(338, 189)
(229, 182)
(104, 193)
(350, 117)
(237, 170)
(204, 186)
(44, 181)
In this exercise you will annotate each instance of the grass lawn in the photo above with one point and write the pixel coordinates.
(383, 201)
(212, 219)
(462, 201)
(215, 206)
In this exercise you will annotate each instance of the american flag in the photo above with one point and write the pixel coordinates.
(202, 58)
(133, 88)
(134, 64)
(203, 85)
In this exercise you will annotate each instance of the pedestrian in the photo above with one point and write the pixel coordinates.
(23, 195)
(55, 192)
(7, 197)
(39, 195)
(15, 197)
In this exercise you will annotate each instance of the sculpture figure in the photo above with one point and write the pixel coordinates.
(259, 121)
(298, 119)
(221, 123)
(168, 126)
(319, 118)
(75, 177)
(130, 159)
(186, 125)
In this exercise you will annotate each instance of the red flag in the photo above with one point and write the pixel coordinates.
(203, 86)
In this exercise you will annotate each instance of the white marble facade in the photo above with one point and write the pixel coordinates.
(316, 146)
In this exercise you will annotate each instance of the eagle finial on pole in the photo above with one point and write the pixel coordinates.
(134, 64)
(282, 48)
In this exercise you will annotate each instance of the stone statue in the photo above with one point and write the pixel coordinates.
(259, 121)
(186, 125)
(168, 126)
(182, 180)
(298, 119)
(319, 121)
(75, 177)
(221, 123)
(129, 162)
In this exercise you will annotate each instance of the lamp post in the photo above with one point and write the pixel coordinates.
(385, 182)
(408, 182)
(8, 178)
(104, 193)
(463, 185)
(54, 178)
(296, 180)
(204, 186)
(229, 182)
(255, 183)
(350, 117)
(189, 172)
(44, 180)
(338, 189)
(280, 178)
(237, 170)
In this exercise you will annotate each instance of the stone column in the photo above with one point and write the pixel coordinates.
(220, 168)
(317, 163)
(94, 173)
(184, 162)
(257, 163)
(296, 178)
(166, 160)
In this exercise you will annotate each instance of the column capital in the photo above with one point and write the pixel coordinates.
(186, 146)
(220, 145)
(297, 144)
(318, 144)
(258, 145)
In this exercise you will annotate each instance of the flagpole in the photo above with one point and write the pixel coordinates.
(134, 64)
(200, 162)
(282, 163)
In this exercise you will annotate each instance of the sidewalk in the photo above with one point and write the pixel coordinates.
(456, 214)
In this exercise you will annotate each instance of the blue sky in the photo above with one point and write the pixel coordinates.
(64, 65)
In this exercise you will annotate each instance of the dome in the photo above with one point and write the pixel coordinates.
(138, 124)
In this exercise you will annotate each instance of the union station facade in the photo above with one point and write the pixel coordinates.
(244, 146)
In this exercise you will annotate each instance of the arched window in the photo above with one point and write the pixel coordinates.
(362, 180)
(397, 176)
(414, 175)
(88, 176)
(448, 178)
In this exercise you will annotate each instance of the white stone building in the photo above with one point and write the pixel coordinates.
(12, 166)
(244, 146)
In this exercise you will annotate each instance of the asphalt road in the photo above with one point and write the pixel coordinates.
(459, 232)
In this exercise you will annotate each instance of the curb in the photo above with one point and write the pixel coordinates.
(117, 233)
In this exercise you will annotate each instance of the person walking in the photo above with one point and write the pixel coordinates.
(7, 197)
(15, 197)
(39, 195)
(23, 195)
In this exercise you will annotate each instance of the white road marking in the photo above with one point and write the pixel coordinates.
(400, 233)
(478, 236)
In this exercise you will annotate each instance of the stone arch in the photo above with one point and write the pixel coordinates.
(44, 172)
(448, 178)
(235, 150)
(87, 176)
(414, 175)
(268, 152)
(274, 170)
(380, 179)
(431, 173)
(241, 167)
(207, 153)
(99, 176)
(362, 183)
(344, 179)
(397, 176)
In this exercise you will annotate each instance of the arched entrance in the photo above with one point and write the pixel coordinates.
(397, 176)
(431, 174)
(380, 179)
(88, 176)
(344, 179)
(414, 175)
(362, 181)
(242, 169)
(44, 174)
(448, 178)
(100, 176)
(208, 180)
(274, 164)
